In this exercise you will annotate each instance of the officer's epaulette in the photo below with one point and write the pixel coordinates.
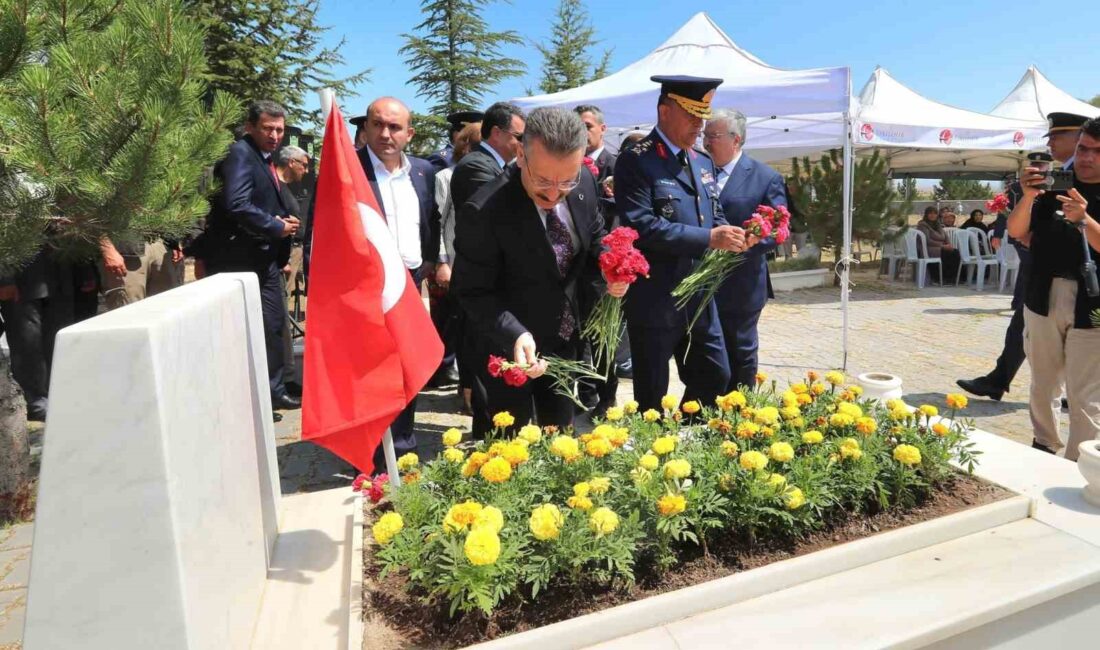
(642, 146)
(701, 152)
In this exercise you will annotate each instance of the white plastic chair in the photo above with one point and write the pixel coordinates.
(892, 250)
(913, 239)
(961, 239)
(985, 251)
(972, 243)
(1009, 261)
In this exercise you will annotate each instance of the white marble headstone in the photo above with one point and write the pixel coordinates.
(157, 499)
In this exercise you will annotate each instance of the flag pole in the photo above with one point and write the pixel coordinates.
(391, 458)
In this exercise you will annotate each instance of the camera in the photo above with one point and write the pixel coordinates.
(1057, 180)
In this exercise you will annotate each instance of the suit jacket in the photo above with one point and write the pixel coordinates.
(673, 215)
(443, 158)
(242, 226)
(752, 183)
(423, 179)
(506, 278)
(605, 162)
(474, 170)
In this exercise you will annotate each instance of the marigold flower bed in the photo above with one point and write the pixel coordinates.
(539, 525)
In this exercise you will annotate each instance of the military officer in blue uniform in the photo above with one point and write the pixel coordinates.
(444, 158)
(666, 191)
(743, 184)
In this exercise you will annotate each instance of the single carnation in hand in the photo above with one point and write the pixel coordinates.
(496, 365)
(515, 376)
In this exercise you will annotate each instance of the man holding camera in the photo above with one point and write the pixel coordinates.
(1062, 292)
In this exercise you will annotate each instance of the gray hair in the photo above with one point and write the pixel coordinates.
(589, 108)
(289, 153)
(734, 121)
(560, 130)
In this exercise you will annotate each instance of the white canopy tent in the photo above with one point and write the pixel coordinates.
(922, 137)
(790, 112)
(1034, 97)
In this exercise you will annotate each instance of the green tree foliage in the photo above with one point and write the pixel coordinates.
(431, 134)
(103, 127)
(1095, 101)
(960, 188)
(816, 189)
(455, 58)
(271, 49)
(566, 59)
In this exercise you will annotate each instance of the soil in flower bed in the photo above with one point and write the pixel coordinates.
(396, 618)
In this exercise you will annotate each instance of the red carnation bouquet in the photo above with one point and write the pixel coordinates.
(997, 204)
(716, 265)
(564, 374)
(621, 262)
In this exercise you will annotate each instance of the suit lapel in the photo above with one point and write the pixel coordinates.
(741, 172)
(368, 167)
(267, 169)
(532, 230)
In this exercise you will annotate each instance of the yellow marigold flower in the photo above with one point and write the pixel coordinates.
(614, 413)
(452, 455)
(818, 389)
(725, 427)
(670, 402)
(767, 415)
(603, 521)
(387, 527)
(849, 448)
(599, 484)
(451, 437)
(671, 504)
(729, 449)
(566, 448)
(640, 475)
(789, 398)
(691, 408)
(581, 489)
(482, 547)
(747, 412)
(603, 431)
(736, 399)
(811, 375)
(497, 470)
(747, 429)
(804, 399)
(834, 377)
(940, 429)
(753, 461)
(927, 410)
(781, 452)
(490, 518)
(841, 420)
(516, 454)
(461, 516)
(856, 389)
(631, 407)
(790, 412)
(503, 419)
(530, 433)
(546, 521)
(761, 377)
(579, 503)
(956, 401)
(408, 461)
(664, 445)
(847, 396)
(713, 423)
(899, 415)
(726, 482)
(677, 468)
(866, 425)
(597, 447)
(794, 498)
(894, 404)
(497, 448)
(777, 481)
(812, 437)
(907, 455)
(800, 388)
(767, 432)
(849, 409)
(619, 437)
(798, 422)
(648, 461)
(651, 415)
(474, 463)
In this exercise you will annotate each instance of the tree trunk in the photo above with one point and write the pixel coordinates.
(15, 457)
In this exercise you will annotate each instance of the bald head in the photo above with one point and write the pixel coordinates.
(388, 130)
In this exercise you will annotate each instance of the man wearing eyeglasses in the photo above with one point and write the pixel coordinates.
(666, 190)
(527, 269)
(501, 140)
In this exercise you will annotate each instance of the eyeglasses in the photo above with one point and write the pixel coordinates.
(543, 184)
(517, 136)
(303, 163)
(715, 136)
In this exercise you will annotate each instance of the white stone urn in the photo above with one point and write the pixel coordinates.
(880, 385)
(1089, 465)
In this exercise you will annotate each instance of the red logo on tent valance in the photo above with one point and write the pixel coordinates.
(867, 132)
(945, 136)
(1018, 138)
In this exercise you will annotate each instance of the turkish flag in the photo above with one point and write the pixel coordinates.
(370, 343)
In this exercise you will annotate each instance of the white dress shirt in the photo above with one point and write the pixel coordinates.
(402, 207)
(726, 170)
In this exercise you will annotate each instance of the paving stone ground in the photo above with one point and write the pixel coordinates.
(928, 337)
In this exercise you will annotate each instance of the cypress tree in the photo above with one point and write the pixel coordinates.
(566, 59)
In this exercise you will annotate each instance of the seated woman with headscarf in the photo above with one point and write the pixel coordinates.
(939, 245)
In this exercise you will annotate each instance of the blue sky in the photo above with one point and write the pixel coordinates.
(968, 53)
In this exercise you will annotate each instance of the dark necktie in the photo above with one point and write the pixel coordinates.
(558, 234)
(685, 163)
(274, 174)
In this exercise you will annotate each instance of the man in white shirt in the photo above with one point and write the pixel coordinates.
(405, 188)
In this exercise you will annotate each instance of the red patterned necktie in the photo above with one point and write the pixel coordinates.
(274, 174)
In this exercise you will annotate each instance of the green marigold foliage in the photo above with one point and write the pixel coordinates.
(576, 514)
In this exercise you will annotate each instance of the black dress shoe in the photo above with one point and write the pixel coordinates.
(36, 415)
(285, 402)
(1065, 404)
(625, 371)
(294, 389)
(981, 387)
(1035, 445)
(276, 416)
